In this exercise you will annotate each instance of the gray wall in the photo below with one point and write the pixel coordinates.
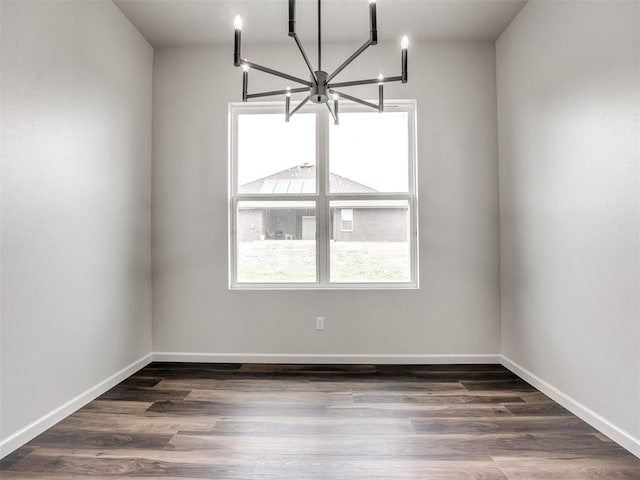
(456, 311)
(568, 96)
(76, 167)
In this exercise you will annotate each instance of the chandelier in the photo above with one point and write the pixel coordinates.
(320, 87)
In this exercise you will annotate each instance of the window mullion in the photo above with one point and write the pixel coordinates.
(322, 207)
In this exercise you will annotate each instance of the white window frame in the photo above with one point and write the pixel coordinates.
(322, 197)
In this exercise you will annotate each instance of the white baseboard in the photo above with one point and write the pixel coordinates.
(31, 431)
(294, 358)
(615, 433)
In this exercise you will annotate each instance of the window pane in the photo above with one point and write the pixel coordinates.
(376, 246)
(369, 152)
(276, 157)
(276, 242)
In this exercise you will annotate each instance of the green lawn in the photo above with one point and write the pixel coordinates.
(295, 261)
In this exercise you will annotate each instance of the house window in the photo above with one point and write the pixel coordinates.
(318, 205)
(346, 219)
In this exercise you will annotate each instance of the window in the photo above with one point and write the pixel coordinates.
(318, 205)
(346, 219)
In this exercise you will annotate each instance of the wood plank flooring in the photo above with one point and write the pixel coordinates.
(323, 422)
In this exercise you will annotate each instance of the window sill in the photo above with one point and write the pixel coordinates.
(317, 287)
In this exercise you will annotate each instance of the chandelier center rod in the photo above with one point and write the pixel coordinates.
(319, 36)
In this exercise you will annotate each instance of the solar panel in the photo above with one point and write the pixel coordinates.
(295, 186)
(282, 186)
(267, 186)
(309, 186)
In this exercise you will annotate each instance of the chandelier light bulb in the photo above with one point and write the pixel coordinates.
(288, 91)
(380, 79)
(335, 97)
(404, 44)
(237, 22)
(245, 68)
(372, 1)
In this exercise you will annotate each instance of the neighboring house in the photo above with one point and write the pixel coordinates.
(361, 220)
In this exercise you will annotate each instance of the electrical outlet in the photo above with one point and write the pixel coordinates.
(319, 323)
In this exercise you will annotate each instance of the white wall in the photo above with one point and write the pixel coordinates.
(456, 310)
(76, 168)
(568, 104)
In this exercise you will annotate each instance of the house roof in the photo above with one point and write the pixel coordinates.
(301, 179)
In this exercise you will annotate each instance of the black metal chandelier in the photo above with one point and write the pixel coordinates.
(320, 85)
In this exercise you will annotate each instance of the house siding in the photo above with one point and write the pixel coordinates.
(250, 225)
(373, 224)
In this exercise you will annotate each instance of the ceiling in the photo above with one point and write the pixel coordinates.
(175, 23)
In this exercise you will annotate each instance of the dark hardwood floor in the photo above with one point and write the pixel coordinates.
(302, 422)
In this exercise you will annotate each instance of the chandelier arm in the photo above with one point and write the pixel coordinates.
(346, 63)
(356, 100)
(277, 92)
(300, 105)
(275, 73)
(365, 82)
(304, 55)
(331, 112)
